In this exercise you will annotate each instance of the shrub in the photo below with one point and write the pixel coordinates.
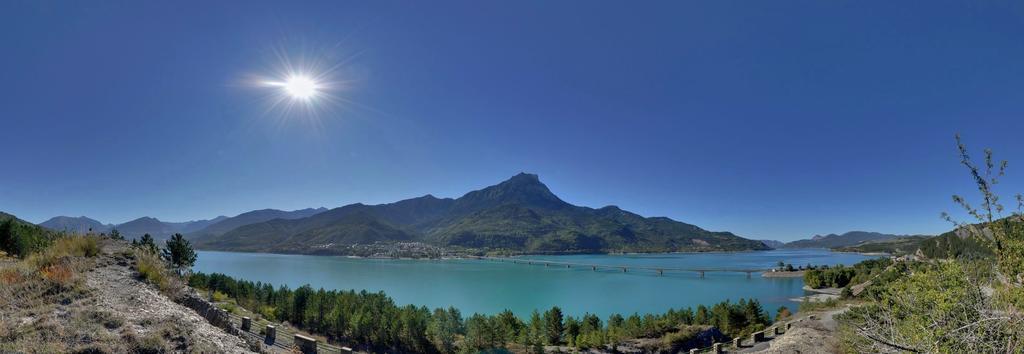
(936, 310)
(678, 340)
(19, 238)
(70, 246)
(219, 296)
(818, 305)
(152, 269)
(229, 307)
(152, 343)
(59, 273)
(267, 312)
(14, 275)
(105, 318)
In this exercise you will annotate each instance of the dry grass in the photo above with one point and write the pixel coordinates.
(154, 270)
(151, 269)
(34, 308)
(48, 306)
(65, 247)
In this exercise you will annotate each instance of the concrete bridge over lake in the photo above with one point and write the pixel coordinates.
(623, 268)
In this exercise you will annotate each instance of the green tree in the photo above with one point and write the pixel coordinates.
(782, 314)
(509, 326)
(148, 244)
(18, 238)
(847, 292)
(553, 326)
(479, 334)
(572, 330)
(444, 327)
(701, 318)
(1005, 235)
(115, 234)
(180, 253)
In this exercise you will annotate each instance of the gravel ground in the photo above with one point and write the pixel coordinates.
(144, 309)
(806, 336)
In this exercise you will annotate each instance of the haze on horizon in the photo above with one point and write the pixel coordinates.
(773, 123)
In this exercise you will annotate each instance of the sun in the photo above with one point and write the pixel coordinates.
(301, 87)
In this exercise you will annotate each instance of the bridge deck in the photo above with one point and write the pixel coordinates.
(623, 267)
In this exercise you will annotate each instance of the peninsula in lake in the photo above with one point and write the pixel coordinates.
(517, 215)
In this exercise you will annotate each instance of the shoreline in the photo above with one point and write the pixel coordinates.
(784, 274)
(768, 274)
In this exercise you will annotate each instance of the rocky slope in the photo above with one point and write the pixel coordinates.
(99, 305)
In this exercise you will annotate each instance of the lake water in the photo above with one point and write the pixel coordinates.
(490, 287)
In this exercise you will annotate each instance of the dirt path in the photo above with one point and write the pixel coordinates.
(806, 336)
(145, 310)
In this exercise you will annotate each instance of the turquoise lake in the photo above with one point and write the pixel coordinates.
(490, 287)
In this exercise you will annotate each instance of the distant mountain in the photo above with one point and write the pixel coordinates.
(832, 240)
(773, 243)
(148, 225)
(895, 246)
(80, 224)
(225, 224)
(160, 230)
(193, 226)
(519, 215)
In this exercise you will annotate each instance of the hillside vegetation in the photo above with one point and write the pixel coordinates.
(894, 246)
(833, 240)
(958, 304)
(86, 294)
(19, 238)
(373, 322)
(518, 215)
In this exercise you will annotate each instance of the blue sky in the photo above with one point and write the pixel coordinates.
(769, 119)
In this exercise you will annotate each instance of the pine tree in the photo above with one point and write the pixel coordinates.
(148, 244)
(553, 326)
(180, 253)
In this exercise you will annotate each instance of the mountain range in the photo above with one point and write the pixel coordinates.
(847, 239)
(518, 215)
(162, 230)
(79, 224)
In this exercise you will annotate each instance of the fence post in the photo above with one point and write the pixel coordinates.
(271, 334)
(246, 324)
(757, 337)
(306, 345)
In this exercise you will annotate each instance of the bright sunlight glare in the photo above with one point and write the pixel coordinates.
(301, 87)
